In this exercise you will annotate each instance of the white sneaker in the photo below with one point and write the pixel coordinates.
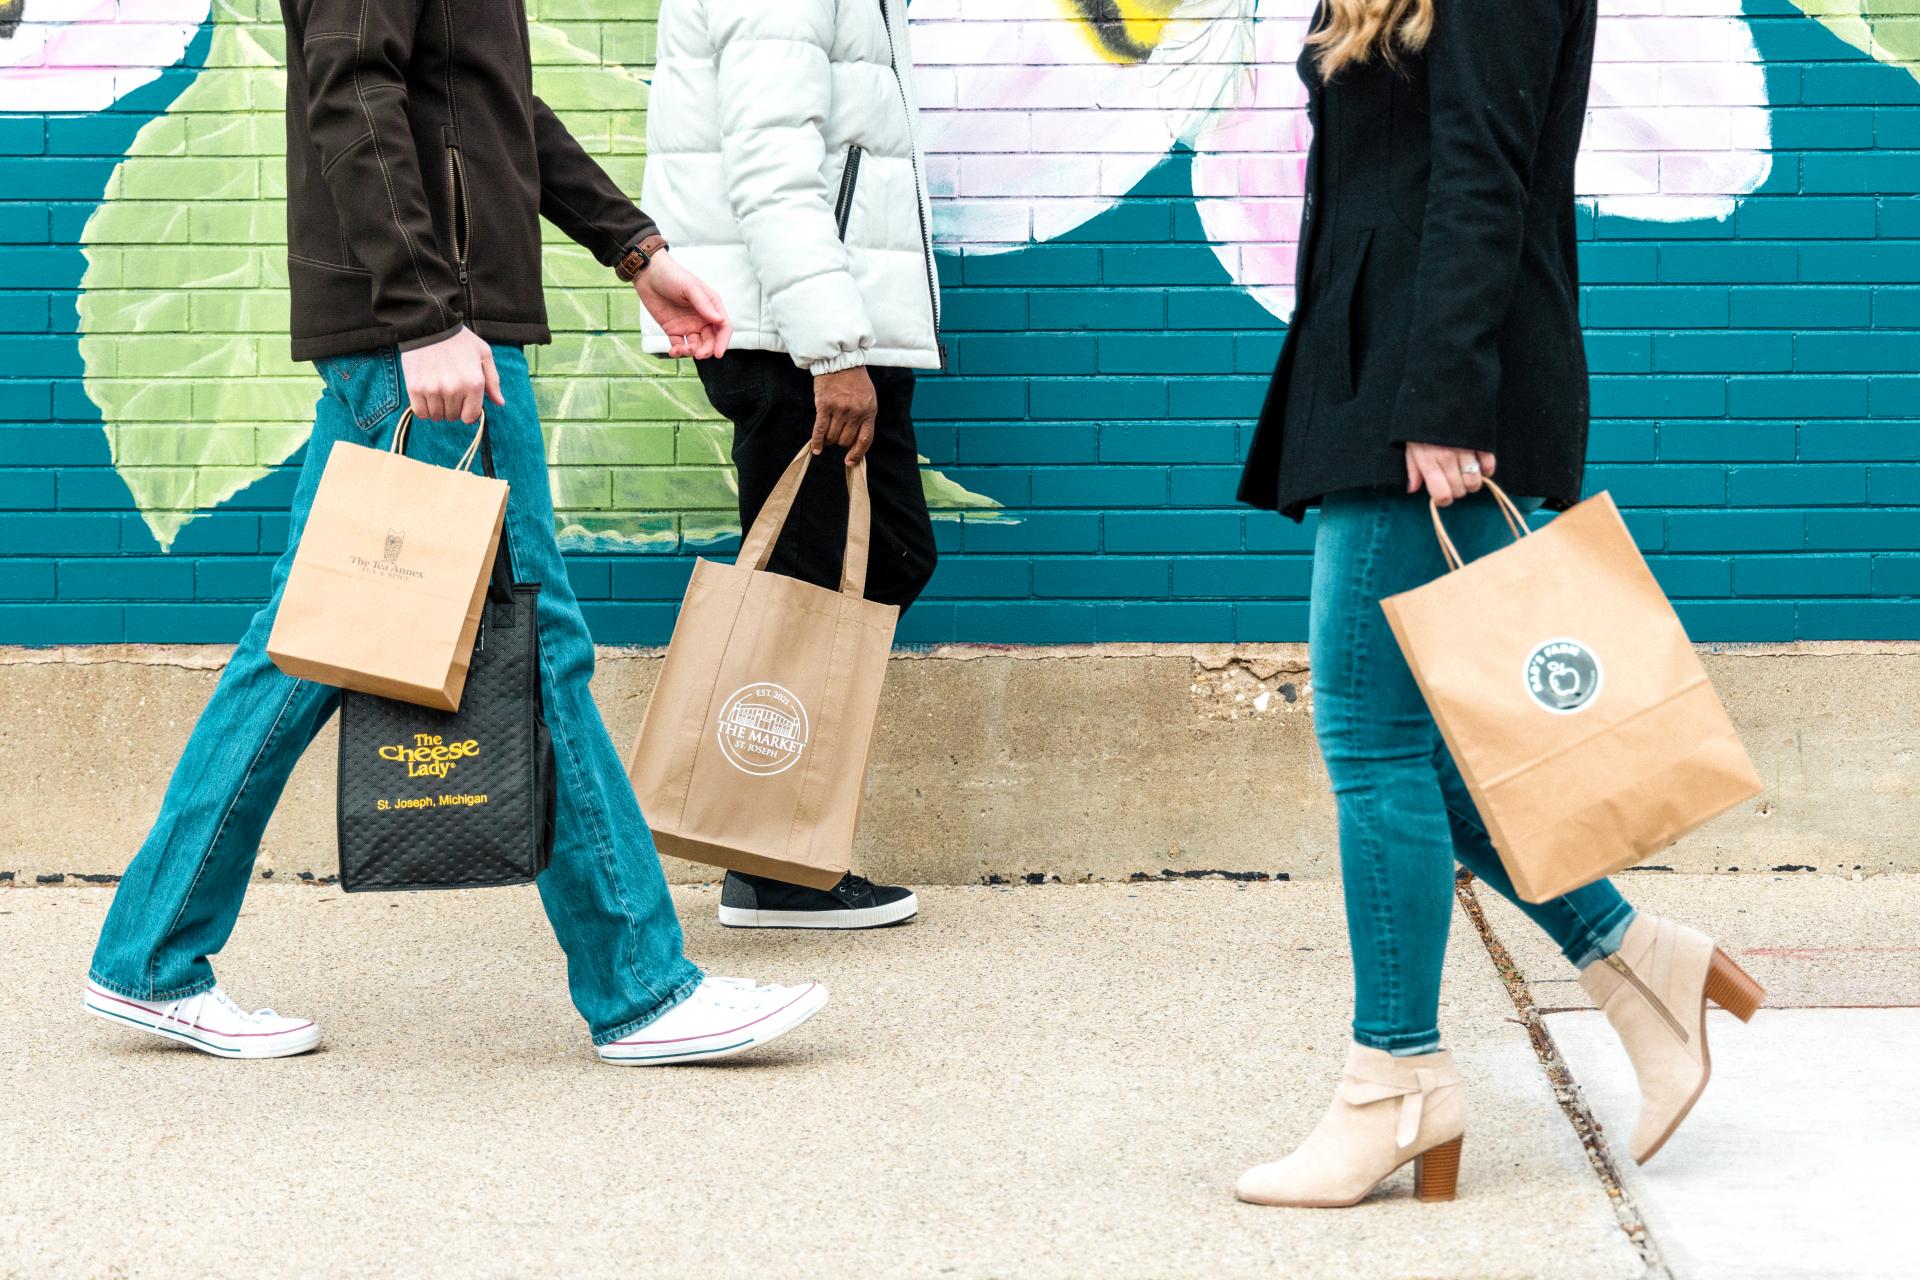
(210, 1021)
(722, 1017)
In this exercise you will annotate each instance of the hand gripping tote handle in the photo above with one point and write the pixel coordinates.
(405, 424)
(757, 549)
(1515, 521)
(753, 754)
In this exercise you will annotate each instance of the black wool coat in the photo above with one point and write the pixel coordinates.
(1438, 297)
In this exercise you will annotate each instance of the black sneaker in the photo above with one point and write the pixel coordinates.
(754, 902)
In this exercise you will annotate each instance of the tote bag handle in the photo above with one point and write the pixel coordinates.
(758, 547)
(1515, 522)
(400, 429)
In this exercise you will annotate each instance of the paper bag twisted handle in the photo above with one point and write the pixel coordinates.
(1515, 522)
(399, 444)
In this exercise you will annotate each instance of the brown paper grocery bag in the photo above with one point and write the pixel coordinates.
(1578, 713)
(753, 754)
(385, 591)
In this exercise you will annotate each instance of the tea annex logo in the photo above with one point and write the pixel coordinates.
(388, 565)
(1563, 676)
(762, 729)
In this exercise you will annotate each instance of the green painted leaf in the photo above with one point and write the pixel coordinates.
(183, 309)
(1887, 29)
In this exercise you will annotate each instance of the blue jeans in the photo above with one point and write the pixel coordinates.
(604, 893)
(1405, 815)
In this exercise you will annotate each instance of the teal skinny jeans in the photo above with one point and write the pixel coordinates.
(1404, 812)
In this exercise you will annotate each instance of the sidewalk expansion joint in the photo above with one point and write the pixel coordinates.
(1566, 1090)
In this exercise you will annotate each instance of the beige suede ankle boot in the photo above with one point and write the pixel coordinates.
(1386, 1112)
(1655, 991)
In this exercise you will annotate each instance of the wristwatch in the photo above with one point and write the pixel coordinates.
(636, 258)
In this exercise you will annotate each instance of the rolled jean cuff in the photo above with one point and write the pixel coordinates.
(1400, 1044)
(1603, 939)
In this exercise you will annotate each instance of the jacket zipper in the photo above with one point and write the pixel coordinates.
(461, 215)
(1621, 967)
(843, 206)
(919, 196)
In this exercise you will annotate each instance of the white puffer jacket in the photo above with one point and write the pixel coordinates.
(783, 166)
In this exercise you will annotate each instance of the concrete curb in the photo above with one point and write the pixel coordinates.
(1008, 764)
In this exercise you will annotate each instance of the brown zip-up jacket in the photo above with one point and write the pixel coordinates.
(419, 164)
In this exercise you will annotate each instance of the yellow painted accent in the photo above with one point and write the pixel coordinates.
(1144, 21)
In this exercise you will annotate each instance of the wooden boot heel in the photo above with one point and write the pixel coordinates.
(1436, 1173)
(1730, 987)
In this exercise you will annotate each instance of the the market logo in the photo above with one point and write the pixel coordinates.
(762, 729)
(1563, 676)
(429, 756)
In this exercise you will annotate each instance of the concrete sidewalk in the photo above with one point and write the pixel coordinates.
(1030, 1081)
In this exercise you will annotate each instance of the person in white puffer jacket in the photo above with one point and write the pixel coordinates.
(783, 166)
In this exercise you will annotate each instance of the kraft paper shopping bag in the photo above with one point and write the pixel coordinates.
(753, 754)
(1577, 711)
(388, 580)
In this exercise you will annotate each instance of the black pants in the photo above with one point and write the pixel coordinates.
(770, 401)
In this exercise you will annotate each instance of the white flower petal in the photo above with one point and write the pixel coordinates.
(1028, 131)
(90, 60)
(1677, 115)
(1250, 162)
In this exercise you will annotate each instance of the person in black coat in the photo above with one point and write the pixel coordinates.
(1437, 337)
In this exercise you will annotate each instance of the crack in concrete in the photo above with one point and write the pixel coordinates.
(1566, 1090)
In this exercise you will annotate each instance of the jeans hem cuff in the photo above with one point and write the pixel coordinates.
(1603, 939)
(679, 993)
(152, 997)
(1401, 1046)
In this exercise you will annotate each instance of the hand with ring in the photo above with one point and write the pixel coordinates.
(1447, 473)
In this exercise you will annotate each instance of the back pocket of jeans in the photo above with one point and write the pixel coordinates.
(366, 382)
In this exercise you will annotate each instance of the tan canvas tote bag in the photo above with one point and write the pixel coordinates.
(385, 591)
(1577, 711)
(753, 754)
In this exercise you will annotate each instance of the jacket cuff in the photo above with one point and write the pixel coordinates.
(629, 229)
(835, 364)
(1433, 420)
(414, 344)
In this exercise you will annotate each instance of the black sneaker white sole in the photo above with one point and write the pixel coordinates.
(845, 918)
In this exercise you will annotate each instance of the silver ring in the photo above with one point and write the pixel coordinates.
(1470, 468)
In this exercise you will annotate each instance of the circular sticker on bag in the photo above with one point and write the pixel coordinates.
(763, 729)
(1563, 676)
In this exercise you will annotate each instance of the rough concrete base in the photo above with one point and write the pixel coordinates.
(1027, 1082)
(1010, 763)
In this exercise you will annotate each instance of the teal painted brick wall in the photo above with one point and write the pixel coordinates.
(1112, 312)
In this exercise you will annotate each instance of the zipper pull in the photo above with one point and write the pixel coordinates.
(463, 275)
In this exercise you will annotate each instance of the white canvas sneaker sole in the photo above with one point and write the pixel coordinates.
(638, 1050)
(852, 918)
(102, 1003)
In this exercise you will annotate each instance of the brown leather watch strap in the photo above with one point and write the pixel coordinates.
(635, 259)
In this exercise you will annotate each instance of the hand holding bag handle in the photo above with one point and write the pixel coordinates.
(1515, 522)
(758, 547)
(401, 428)
(500, 586)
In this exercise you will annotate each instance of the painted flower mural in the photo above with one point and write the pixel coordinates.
(1041, 115)
(1037, 121)
(183, 311)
